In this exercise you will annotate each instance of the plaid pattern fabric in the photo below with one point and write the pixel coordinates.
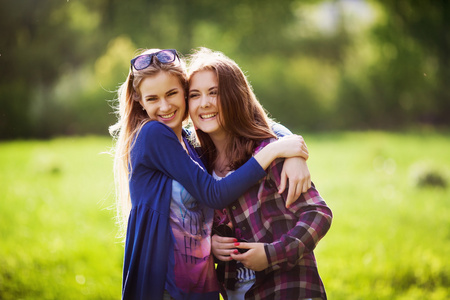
(290, 236)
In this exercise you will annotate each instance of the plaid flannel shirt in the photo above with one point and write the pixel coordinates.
(290, 236)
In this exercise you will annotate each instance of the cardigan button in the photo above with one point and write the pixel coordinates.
(244, 228)
(233, 207)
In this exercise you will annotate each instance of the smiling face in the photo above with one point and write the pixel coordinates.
(162, 96)
(204, 107)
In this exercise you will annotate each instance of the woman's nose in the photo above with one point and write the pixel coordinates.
(165, 105)
(205, 101)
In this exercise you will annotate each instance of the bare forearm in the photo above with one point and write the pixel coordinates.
(290, 146)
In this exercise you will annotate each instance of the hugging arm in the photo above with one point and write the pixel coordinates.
(289, 146)
(163, 152)
(295, 170)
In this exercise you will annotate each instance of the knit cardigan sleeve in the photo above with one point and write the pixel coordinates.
(161, 150)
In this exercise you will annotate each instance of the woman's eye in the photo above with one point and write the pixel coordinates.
(151, 99)
(213, 93)
(193, 95)
(173, 93)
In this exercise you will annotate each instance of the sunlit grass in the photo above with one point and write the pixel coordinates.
(389, 239)
(58, 232)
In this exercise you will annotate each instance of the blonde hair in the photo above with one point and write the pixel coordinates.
(130, 119)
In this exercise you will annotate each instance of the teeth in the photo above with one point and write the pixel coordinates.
(167, 116)
(208, 116)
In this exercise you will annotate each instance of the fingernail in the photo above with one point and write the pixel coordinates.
(235, 240)
(236, 252)
(236, 244)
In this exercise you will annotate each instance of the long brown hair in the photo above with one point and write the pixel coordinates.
(241, 114)
(130, 119)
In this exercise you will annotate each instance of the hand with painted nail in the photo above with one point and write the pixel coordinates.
(255, 258)
(222, 247)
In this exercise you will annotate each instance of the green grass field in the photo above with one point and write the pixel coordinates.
(390, 237)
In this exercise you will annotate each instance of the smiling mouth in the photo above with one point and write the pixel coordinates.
(167, 116)
(208, 116)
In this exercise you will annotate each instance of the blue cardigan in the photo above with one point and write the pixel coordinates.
(156, 159)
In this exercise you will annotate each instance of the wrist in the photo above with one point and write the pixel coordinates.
(273, 151)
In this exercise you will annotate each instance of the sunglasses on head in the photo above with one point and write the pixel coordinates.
(164, 56)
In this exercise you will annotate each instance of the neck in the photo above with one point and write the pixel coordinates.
(178, 133)
(222, 161)
(180, 139)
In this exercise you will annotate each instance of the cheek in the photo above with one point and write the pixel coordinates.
(183, 107)
(192, 107)
(192, 114)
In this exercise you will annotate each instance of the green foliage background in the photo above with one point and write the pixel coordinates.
(315, 64)
(390, 236)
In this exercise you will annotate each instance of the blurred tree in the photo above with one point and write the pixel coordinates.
(40, 41)
(61, 60)
(427, 23)
(407, 83)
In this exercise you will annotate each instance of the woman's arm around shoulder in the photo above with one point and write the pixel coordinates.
(158, 148)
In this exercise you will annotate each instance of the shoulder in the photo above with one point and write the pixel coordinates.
(279, 129)
(154, 135)
(156, 129)
(152, 126)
